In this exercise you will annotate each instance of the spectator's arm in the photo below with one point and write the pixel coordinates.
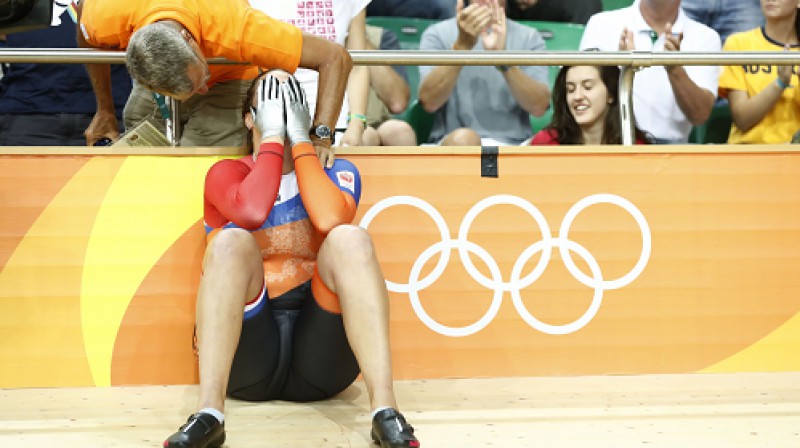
(532, 95)
(695, 101)
(749, 111)
(358, 83)
(391, 88)
(437, 86)
(104, 123)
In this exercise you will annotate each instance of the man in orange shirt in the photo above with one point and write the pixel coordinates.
(167, 45)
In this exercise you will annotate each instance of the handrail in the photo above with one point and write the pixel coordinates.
(450, 57)
(629, 60)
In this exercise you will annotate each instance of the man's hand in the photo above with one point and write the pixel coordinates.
(325, 152)
(268, 111)
(672, 42)
(471, 21)
(626, 40)
(103, 125)
(494, 36)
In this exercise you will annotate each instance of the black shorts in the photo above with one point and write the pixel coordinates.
(292, 349)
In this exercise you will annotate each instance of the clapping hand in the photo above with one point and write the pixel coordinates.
(494, 35)
(472, 21)
(626, 40)
(672, 41)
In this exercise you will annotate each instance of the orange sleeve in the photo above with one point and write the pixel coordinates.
(327, 205)
(270, 43)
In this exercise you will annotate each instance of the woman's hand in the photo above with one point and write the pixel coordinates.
(353, 135)
(268, 111)
(298, 118)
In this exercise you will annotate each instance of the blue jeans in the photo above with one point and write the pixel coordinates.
(725, 16)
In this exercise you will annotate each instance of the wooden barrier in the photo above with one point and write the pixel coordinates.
(679, 259)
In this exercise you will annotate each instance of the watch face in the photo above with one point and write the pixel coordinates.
(322, 131)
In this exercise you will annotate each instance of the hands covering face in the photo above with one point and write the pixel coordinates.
(281, 110)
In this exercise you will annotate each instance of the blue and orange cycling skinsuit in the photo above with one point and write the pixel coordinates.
(292, 345)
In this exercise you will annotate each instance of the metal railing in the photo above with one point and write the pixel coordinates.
(630, 61)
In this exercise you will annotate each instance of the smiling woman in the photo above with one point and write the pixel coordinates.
(585, 108)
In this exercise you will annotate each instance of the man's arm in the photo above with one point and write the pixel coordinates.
(532, 95)
(437, 86)
(104, 123)
(695, 101)
(333, 63)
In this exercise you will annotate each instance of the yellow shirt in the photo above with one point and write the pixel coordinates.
(229, 29)
(780, 123)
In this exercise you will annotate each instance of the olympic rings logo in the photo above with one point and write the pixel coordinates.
(517, 282)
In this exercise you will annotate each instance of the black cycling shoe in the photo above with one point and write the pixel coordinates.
(390, 430)
(202, 430)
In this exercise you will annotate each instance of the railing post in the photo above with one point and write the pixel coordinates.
(626, 105)
(173, 123)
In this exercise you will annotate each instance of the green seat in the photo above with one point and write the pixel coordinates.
(608, 5)
(716, 129)
(557, 37)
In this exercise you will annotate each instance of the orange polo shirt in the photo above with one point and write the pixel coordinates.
(230, 29)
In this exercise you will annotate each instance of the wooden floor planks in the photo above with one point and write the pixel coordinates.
(652, 411)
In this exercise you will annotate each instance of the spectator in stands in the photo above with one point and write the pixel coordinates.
(764, 99)
(482, 105)
(50, 104)
(669, 100)
(725, 16)
(570, 11)
(342, 22)
(585, 108)
(292, 303)
(420, 9)
(167, 48)
(389, 94)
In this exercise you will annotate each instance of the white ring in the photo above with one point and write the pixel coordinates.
(597, 299)
(563, 233)
(515, 284)
(503, 199)
(413, 294)
(444, 233)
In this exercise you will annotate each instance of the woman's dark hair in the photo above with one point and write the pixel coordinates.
(564, 124)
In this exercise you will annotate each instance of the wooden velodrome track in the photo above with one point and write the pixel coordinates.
(743, 410)
(754, 403)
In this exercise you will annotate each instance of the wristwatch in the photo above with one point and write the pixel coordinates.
(322, 132)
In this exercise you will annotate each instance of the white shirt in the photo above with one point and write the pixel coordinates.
(329, 19)
(654, 105)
